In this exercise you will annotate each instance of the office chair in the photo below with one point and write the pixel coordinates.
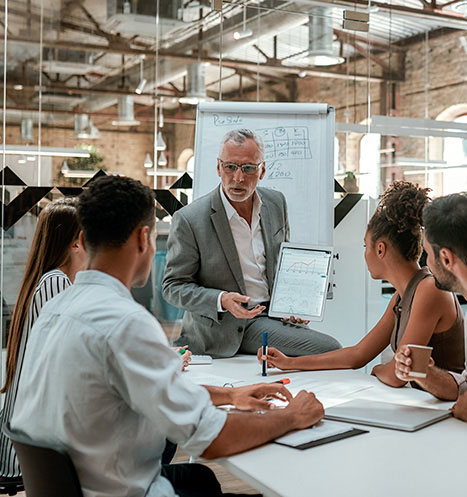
(47, 469)
(11, 486)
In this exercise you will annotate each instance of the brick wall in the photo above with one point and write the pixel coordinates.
(124, 151)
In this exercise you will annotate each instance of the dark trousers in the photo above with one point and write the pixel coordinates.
(193, 480)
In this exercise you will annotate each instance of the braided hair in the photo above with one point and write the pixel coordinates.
(398, 218)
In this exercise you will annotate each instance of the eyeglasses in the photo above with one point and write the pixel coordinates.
(231, 167)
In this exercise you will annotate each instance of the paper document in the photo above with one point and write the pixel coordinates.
(325, 391)
(213, 380)
(335, 390)
(321, 433)
(321, 430)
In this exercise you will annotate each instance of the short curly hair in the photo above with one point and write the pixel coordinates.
(112, 207)
(398, 218)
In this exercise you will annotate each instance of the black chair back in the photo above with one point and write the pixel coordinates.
(47, 470)
(11, 486)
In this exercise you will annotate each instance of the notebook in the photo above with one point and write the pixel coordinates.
(386, 415)
(319, 434)
(200, 359)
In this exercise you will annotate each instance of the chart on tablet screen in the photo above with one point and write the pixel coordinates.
(301, 284)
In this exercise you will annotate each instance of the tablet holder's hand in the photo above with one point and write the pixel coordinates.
(295, 320)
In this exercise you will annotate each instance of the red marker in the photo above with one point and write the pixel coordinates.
(284, 381)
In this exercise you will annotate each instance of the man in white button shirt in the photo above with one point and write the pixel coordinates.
(445, 242)
(221, 260)
(100, 379)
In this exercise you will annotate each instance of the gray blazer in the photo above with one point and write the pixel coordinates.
(202, 261)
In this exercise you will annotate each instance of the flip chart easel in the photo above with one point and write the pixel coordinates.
(299, 155)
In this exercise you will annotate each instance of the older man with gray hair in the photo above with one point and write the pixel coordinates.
(221, 260)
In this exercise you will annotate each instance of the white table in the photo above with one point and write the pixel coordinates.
(429, 462)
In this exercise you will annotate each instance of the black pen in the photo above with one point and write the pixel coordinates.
(264, 351)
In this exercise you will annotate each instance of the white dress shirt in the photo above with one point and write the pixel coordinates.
(100, 379)
(250, 248)
(461, 379)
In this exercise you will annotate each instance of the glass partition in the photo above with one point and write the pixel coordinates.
(113, 86)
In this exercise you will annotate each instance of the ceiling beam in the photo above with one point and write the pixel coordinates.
(226, 62)
(444, 18)
(109, 115)
(343, 35)
(432, 35)
(75, 90)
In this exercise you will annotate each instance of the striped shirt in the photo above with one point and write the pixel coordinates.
(51, 284)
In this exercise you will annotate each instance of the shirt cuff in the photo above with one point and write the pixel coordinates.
(210, 425)
(219, 305)
(461, 380)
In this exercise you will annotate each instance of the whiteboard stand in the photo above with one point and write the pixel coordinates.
(299, 155)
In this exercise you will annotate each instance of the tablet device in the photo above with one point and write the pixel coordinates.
(301, 281)
(386, 415)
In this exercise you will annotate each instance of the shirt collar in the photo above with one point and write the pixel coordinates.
(231, 212)
(94, 277)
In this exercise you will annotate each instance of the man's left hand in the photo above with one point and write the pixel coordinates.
(460, 408)
(252, 397)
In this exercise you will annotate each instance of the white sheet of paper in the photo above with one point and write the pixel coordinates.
(334, 390)
(213, 380)
(324, 390)
(319, 431)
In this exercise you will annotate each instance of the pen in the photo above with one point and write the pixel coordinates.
(264, 354)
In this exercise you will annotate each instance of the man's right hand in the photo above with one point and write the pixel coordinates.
(307, 410)
(403, 363)
(459, 409)
(232, 302)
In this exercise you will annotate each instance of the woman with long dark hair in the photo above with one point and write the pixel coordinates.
(418, 313)
(55, 257)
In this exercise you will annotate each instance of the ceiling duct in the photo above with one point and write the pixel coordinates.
(26, 130)
(196, 85)
(84, 127)
(141, 20)
(320, 41)
(69, 62)
(126, 115)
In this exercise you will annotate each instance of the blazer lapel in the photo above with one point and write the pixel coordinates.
(267, 231)
(224, 233)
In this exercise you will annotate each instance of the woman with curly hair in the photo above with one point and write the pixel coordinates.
(418, 313)
(55, 257)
